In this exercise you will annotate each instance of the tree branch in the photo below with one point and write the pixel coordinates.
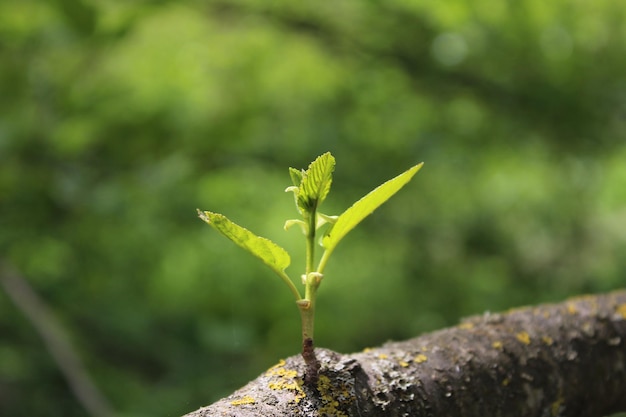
(56, 340)
(566, 359)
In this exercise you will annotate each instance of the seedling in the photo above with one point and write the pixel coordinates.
(310, 188)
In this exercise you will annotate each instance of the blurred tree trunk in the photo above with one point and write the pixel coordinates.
(566, 359)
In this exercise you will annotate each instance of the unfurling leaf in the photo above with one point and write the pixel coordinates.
(267, 251)
(296, 176)
(289, 223)
(323, 219)
(365, 206)
(315, 182)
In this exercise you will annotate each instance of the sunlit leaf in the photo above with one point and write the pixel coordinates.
(267, 251)
(323, 219)
(316, 182)
(365, 206)
(289, 223)
(296, 176)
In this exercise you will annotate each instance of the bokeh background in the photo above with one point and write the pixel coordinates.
(119, 119)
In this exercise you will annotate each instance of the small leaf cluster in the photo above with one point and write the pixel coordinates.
(310, 188)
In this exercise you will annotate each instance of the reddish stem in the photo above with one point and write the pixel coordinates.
(312, 364)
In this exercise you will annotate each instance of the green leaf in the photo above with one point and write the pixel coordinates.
(365, 206)
(267, 251)
(289, 223)
(316, 182)
(323, 219)
(296, 176)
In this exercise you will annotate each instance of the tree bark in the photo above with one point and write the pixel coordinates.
(566, 359)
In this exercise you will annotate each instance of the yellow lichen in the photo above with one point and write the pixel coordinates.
(285, 379)
(420, 358)
(382, 356)
(556, 406)
(523, 337)
(244, 400)
(621, 310)
(547, 340)
(571, 308)
(367, 349)
(466, 326)
(278, 384)
(280, 364)
(403, 364)
(279, 370)
(505, 382)
(496, 345)
(330, 403)
(299, 395)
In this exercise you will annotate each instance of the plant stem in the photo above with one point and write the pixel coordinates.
(312, 364)
(307, 305)
(307, 314)
(310, 241)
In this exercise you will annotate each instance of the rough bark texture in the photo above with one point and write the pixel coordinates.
(566, 359)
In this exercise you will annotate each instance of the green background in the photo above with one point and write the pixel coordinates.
(119, 119)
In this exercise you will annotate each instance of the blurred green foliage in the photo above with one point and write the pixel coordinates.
(119, 119)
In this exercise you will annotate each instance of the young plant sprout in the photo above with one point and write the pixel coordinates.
(310, 188)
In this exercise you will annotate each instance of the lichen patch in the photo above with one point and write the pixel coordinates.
(523, 337)
(243, 400)
(336, 398)
(557, 406)
(421, 358)
(285, 379)
(571, 308)
(279, 370)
